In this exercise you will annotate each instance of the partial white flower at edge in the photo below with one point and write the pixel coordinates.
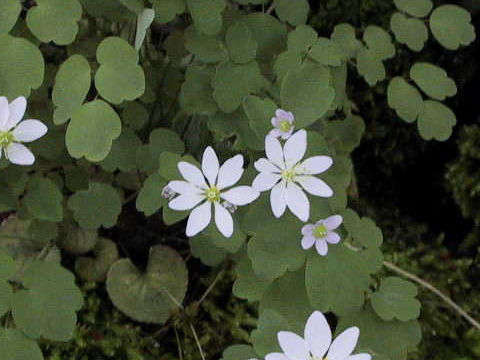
(317, 343)
(13, 131)
(321, 234)
(283, 124)
(203, 188)
(285, 174)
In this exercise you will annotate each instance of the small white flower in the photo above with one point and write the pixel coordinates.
(207, 187)
(283, 172)
(321, 234)
(283, 124)
(317, 341)
(13, 131)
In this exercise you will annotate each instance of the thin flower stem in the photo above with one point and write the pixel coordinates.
(180, 352)
(197, 341)
(429, 287)
(212, 285)
(270, 9)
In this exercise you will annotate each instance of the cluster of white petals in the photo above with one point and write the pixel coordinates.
(202, 189)
(282, 124)
(317, 343)
(14, 131)
(287, 176)
(321, 234)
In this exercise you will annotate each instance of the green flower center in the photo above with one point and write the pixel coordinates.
(6, 138)
(320, 231)
(284, 126)
(288, 175)
(212, 194)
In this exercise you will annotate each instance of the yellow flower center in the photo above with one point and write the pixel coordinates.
(212, 194)
(6, 138)
(320, 231)
(288, 175)
(284, 126)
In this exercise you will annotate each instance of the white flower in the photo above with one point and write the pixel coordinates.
(317, 341)
(283, 172)
(283, 124)
(207, 188)
(321, 234)
(13, 131)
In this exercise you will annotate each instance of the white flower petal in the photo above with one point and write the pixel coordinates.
(274, 152)
(322, 247)
(184, 187)
(333, 222)
(230, 172)
(275, 122)
(17, 109)
(344, 344)
(264, 165)
(294, 347)
(199, 218)
(314, 186)
(18, 154)
(185, 202)
(332, 238)
(284, 115)
(307, 242)
(241, 195)
(308, 229)
(360, 357)
(29, 130)
(316, 165)
(192, 174)
(223, 220)
(275, 132)
(295, 148)
(289, 133)
(265, 181)
(297, 201)
(278, 200)
(210, 165)
(276, 356)
(4, 113)
(318, 334)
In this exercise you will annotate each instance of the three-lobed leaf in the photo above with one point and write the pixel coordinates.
(433, 80)
(451, 26)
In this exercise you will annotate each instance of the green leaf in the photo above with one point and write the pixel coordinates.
(433, 80)
(264, 338)
(391, 340)
(451, 26)
(436, 121)
(294, 12)
(135, 6)
(370, 66)
(75, 240)
(135, 115)
(301, 39)
(345, 37)
(16, 346)
(326, 52)
(167, 10)
(307, 93)
(259, 112)
(7, 270)
(198, 92)
(123, 153)
(417, 8)
(149, 296)
(363, 231)
(247, 284)
(144, 20)
(48, 304)
(207, 15)
(9, 11)
(409, 31)
(236, 352)
(329, 282)
(405, 99)
(348, 131)
(233, 82)
(21, 67)
(208, 48)
(150, 198)
(379, 42)
(92, 130)
(204, 250)
(95, 268)
(72, 84)
(232, 245)
(240, 43)
(396, 299)
(286, 61)
(119, 76)
(43, 199)
(55, 20)
(98, 206)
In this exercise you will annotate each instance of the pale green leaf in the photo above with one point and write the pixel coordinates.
(123, 154)
(417, 8)
(150, 198)
(9, 11)
(409, 31)
(345, 37)
(363, 231)
(259, 112)
(75, 240)
(7, 270)
(167, 10)
(451, 26)
(236, 352)
(198, 92)
(43, 199)
(16, 346)
(208, 48)
(370, 66)
(433, 80)
(264, 337)
(247, 284)
(349, 132)
(95, 268)
(286, 61)
(405, 99)
(326, 52)
(436, 121)
(207, 15)
(379, 42)
(301, 39)
(240, 43)
(208, 253)
(135, 115)
(144, 20)
(294, 12)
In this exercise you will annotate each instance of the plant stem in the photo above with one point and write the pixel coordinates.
(197, 341)
(270, 9)
(205, 294)
(180, 352)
